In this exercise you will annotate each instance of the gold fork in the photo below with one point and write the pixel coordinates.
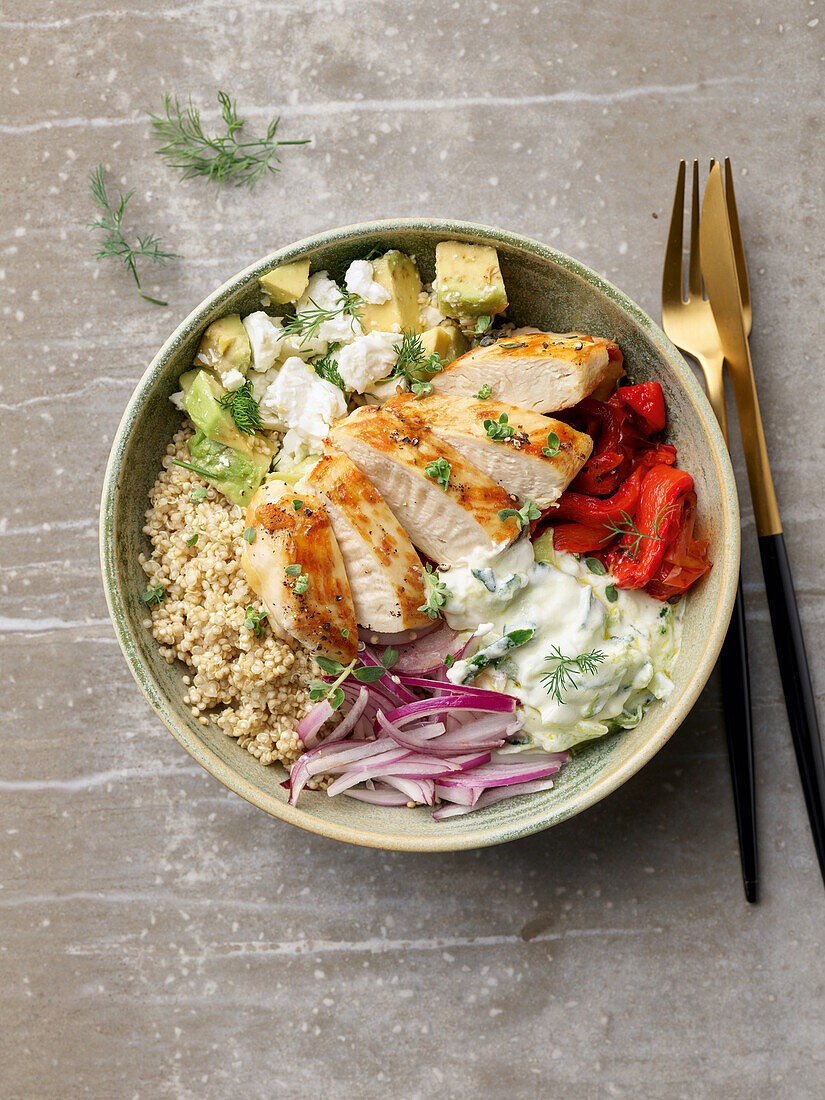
(689, 323)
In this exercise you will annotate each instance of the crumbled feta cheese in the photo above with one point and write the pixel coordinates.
(232, 379)
(360, 280)
(264, 336)
(323, 293)
(304, 402)
(367, 359)
(177, 400)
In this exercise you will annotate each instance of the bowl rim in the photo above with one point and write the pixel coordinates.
(366, 836)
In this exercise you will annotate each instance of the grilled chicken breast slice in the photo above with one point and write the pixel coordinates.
(384, 572)
(540, 371)
(292, 544)
(518, 462)
(446, 524)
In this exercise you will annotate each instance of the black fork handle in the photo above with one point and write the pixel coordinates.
(736, 699)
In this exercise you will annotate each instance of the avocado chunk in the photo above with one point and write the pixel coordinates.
(468, 280)
(286, 283)
(233, 473)
(447, 341)
(201, 396)
(225, 346)
(399, 276)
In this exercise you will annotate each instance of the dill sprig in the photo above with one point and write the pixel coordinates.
(563, 676)
(413, 362)
(220, 158)
(626, 528)
(114, 243)
(243, 408)
(307, 323)
(327, 367)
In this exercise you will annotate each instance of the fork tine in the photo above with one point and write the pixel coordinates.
(694, 262)
(672, 272)
(738, 246)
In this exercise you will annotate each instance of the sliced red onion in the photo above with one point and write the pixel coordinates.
(347, 724)
(489, 732)
(461, 796)
(406, 765)
(426, 653)
(457, 689)
(470, 701)
(389, 682)
(500, 775)
(317, 759)
(307, 728)
(488, 797)
(380, 796)
(418, 790)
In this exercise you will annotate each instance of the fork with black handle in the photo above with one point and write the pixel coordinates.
(690, 325)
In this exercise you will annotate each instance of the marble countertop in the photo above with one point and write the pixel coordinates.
(160, 937)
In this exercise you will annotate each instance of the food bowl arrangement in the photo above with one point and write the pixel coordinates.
(544, 289)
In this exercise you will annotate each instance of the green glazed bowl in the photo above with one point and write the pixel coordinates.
(547, 289)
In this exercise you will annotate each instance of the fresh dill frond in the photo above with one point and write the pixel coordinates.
(413, 362)
(243, 408)
(307, 323)
(563, 675)
(327, 368)
(233, 157)
(114, 243)
(436, 591)
(626, 528)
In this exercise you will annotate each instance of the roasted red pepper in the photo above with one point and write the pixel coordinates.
(594, 511)
(646, 401)
(658, 517)
(685, 558)
(578, 538)
(620, 428)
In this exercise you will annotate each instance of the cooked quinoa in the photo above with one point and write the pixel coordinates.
(253, 688)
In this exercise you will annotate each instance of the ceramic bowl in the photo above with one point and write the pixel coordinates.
(547, 289)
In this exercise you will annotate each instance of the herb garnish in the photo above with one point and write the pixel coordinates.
(114, 243)
(413, 361)
(611, 594)
(293, 570)
(483, 324)
(365, 674)
(499, 430)
(595, 566)
(439, 471)
(307, 323)
(297, 505)
(523, 516)
(484, 392)
(493, 653)
(243, 408)
(421, 389)
(436, 591)
(327, 367)
(249, 535)
(233, 157)
(553, 445)
(254, 621)
(198, 494)
(562, 677)
(154, 594)
(301, 579)
(626, 528)
(193, 538)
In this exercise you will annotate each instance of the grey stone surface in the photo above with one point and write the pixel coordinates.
(159, 936)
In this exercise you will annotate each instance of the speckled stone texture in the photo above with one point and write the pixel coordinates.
(159, 936)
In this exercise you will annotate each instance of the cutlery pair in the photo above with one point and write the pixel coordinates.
(714, 330)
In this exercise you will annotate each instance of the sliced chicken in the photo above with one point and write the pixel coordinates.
(540, 371)
(517, 461)
(446, 523)
(295, 566)
(385, 573)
